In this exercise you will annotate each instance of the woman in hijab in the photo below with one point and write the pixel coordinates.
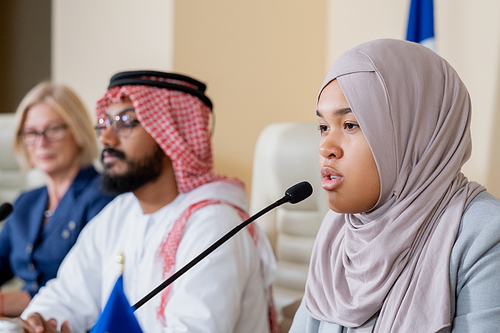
(410, 245)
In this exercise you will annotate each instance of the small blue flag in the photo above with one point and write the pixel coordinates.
(117, 316)
(421, 23)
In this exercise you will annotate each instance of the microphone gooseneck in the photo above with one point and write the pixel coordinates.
(294, 194)
(5, 210)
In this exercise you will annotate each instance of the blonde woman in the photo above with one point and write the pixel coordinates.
(55, 135)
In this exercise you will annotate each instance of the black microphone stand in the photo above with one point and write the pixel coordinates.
(231, 233)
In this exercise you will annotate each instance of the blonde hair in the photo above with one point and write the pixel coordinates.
(70, 107)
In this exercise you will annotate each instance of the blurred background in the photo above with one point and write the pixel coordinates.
(263, 60)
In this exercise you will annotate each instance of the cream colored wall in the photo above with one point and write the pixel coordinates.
(263, 62)
(94, 39)
(468, 36)
(470, 41)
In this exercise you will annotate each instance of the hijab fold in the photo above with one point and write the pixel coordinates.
(415, 113)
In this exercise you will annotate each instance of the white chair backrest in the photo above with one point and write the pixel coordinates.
(285, 154)
(12, 180)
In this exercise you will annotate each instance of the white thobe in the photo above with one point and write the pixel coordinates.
(225, 292)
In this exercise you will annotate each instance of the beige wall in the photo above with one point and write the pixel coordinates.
(470, 41)
(354, 22)
(264, 60)
(94, 39)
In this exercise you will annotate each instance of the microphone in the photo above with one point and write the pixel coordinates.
(5, 210)
(294, 194)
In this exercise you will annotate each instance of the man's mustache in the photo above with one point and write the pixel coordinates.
(112, 152)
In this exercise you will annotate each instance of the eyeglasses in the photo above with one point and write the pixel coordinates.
(50, 134)
(123, 124)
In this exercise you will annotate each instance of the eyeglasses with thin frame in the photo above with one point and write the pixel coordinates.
(51, 134)
(123, 124)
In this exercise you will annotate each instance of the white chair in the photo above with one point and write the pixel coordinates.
(285, 154)
(12, 180)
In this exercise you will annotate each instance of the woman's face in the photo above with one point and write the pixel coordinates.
(349, 174)
(54, 152)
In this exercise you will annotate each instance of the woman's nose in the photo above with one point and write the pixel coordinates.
(330, 147)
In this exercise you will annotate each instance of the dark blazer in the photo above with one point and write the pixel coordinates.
(33, 253)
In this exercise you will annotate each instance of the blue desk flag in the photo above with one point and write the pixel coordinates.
(117, 316)
(421, 23)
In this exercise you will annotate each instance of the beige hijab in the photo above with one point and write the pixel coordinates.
(415, 114)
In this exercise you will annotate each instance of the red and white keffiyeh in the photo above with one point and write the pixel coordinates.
(178, 121)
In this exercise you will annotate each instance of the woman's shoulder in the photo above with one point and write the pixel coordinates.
(87, 184)
(304, 323)
(482, 212)
(86, 175)
(475, 265)
(479, 229)
(27, 196)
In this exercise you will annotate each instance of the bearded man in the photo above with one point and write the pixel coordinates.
(154, 128)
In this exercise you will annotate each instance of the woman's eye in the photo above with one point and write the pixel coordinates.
(322, 128)
(53, 129)
(351, 126)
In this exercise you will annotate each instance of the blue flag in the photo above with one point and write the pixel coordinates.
(117, 316)
(421, 23)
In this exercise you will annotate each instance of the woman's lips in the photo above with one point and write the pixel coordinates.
(331, 179)
(45, 157)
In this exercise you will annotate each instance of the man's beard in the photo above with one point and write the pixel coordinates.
(139, 172)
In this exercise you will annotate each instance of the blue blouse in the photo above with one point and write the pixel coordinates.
(34, 253)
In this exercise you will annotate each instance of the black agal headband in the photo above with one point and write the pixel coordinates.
(140, 78)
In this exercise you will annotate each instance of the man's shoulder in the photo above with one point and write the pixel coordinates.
(123, 201)
(226, 191)
(120, 206)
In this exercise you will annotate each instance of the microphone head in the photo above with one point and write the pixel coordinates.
(299, 192)
(5, 210)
